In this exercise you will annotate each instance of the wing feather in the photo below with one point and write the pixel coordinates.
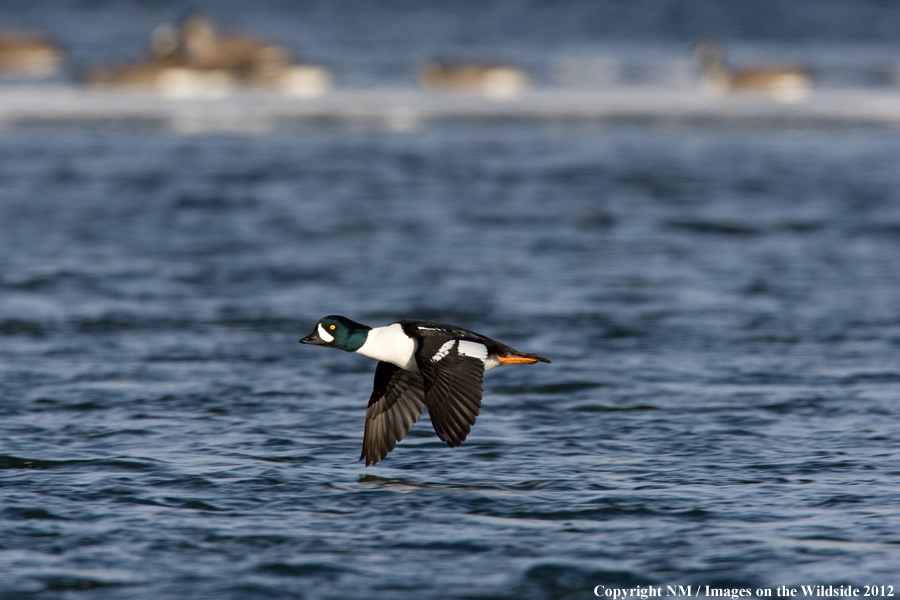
(397, 402)
(452, 389)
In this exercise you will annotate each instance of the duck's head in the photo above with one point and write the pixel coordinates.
(338, 332)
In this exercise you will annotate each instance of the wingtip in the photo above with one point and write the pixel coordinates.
(370, 460)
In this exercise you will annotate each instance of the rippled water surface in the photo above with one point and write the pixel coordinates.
(721, 306)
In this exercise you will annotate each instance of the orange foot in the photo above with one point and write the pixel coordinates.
(516, 360)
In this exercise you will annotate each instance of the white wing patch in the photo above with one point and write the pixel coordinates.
(324, 334)
(473, 349)
(443, 350)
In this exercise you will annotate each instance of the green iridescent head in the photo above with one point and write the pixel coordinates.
(338, 332)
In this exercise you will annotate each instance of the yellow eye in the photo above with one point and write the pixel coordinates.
(331, 327)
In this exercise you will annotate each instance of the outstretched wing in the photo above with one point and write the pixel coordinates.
(396, 404)
(452, 371)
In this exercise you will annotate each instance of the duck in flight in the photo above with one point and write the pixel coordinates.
(421, 363)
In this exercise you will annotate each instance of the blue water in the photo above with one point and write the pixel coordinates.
(721, 304)
(721, 307)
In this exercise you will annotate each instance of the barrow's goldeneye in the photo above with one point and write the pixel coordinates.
(421, 363)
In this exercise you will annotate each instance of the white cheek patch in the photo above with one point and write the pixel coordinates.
(473, 349)
(324, 334)
(442, 351)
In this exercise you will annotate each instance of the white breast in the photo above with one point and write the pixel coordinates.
(391, 345)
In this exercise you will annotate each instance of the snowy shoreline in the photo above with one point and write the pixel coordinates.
(407, 108)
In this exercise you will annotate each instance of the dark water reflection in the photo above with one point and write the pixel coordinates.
(721, 307)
